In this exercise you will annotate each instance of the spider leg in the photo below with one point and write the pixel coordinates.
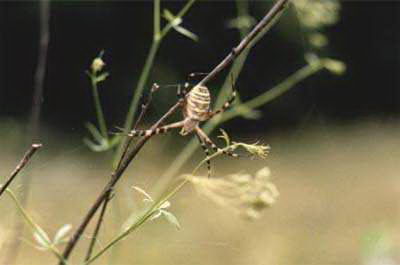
(159, 130)
(224, 107)
(205, 149)
(206, 139)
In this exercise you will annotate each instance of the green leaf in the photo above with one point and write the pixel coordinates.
(41, 238)
(101, 77)
(94, 132)
(186, 33)
(95, 147)
(156, 214)
(175, 22)
(225, 136)
(62, 233)
(143, 192)
(102, 143)
(171, 218)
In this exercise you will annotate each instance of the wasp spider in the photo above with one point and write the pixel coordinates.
(196, 108)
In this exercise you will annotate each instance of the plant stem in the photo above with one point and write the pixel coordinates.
(10, 249)
(99, 110)
(34, 226)
(269, 18)
(260, 100)
(158, 36)
(97, 229)
(116, 175)
(24, 161)
(272, 17)
(139, 222)
(149, 212)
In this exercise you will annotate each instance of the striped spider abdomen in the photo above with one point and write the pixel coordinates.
(196, 108)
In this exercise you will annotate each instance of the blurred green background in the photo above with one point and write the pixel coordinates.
(334, 139)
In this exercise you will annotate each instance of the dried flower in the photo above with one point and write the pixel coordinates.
(256, 149)
(245, 194)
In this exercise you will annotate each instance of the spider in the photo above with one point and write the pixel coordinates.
(195, 108)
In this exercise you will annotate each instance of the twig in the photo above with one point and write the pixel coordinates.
(158, 36)
(116, 175)
(11, 248)
(269, 17)
(131, 155)
(145, 107)
(28, 155)
(40, 68)
(98, 226)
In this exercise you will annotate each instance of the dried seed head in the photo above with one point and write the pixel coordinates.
(245, 194)
(256, 149)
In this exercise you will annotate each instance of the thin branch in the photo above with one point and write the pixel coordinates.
(269, 18)
(24, 161)
(158, 36)
(98, 226)
(40, 68)
(116, 175)
(132, 154)
(11, 248)
(145, 107)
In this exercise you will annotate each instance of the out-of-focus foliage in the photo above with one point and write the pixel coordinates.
(314, 16)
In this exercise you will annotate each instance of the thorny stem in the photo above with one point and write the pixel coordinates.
(131, 155)
(24, 161)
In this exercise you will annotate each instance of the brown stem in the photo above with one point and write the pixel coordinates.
(268, 18)
(28, 155)
(126, 148)
(116, 175)
(98, 226)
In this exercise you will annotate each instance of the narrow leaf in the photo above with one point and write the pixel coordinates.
(41, 239)
(102, 77)
(143, 192)
(61, 233)
(171, 218)
(175, 21)
(94, 132)
(186, 33)
(156, 215)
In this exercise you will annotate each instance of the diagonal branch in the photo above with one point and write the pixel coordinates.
(116, 175)
(24, 161)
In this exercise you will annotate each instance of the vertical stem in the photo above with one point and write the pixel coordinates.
(97, 229)
(156, 17)
(99, 110)
(10, 249)
(138, 92)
